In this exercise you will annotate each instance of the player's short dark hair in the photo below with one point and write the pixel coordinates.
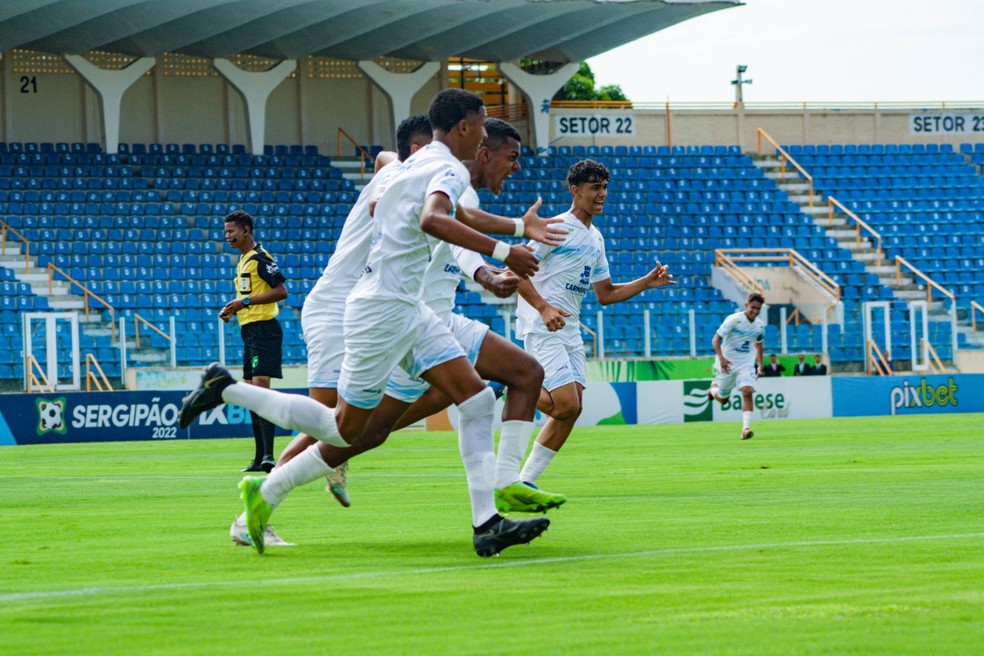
(240, 218)
(587, 170)
(409, 128)
(755, 296)
(499, 132)
(452, 105)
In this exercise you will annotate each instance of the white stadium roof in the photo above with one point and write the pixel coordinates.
(423, 30)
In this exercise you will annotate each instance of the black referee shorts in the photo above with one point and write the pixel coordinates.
(263, 354)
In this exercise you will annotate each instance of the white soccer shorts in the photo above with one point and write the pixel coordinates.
(470, 335)
(561, 354)
(321, 324)
(742, 374)
(381, 335)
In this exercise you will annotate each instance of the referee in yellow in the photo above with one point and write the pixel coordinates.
(259, 286)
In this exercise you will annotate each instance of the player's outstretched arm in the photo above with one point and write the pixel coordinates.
(436, 220)
(531, 226)
(608, 292)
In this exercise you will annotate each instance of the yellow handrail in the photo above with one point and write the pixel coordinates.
(934, 362)
(831, 201)
(137, 320)
(789, 255)
(362, 160)
(31, 364)
(85, 297)
(795, 314)
(875, 361)
(782, 160)
(511, 113)
(4, 229)
(729, 265)
(91, 378)
(930, 283)
(974, 305)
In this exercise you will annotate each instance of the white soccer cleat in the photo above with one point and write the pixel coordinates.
(240, 536)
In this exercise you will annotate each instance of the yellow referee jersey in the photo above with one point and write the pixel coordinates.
(257, 273)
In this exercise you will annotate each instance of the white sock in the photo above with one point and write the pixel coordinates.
(513, 442)
(477, 447)
(291, 411)
(746, 419)
(539, 458)
(307, 466)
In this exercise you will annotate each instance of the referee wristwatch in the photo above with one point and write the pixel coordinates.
(246, 301)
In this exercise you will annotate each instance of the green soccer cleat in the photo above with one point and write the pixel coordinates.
(520, 497)
(338, 485)
(258, 511)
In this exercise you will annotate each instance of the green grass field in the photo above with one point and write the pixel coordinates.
(847, 536)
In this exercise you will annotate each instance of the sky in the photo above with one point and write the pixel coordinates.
(809, 51)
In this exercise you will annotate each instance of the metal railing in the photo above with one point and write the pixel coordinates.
(783, 158)
(137, 320)
(930, 283)
(728, 259)
(975, 307)
(364, 154)
(4, 229)
(52, 269)
(91, 378)
(31, 364)
(831, 202)
(721, 259)
(932, 359)
(875, 362)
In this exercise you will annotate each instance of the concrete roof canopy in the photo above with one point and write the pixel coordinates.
(424, 30)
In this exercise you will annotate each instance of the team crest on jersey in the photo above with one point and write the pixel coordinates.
(585, 276)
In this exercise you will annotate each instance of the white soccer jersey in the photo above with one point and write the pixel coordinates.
(401, 250)
(352, 248)
(738, 337)
(443, 272)
(566, 274)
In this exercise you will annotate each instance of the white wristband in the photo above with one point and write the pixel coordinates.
(520, 228)
(501, 251)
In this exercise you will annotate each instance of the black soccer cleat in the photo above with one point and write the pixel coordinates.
(207, 395)
(509, 532)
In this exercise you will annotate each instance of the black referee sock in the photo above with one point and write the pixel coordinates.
(269, 430)
(258, 437)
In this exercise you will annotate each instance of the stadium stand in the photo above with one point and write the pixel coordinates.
(141, 229)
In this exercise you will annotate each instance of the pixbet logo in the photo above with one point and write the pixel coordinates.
(923, 395)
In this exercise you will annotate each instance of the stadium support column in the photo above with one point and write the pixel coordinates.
(255, 88)
(110, 85)
(539, 89)
(399, 87)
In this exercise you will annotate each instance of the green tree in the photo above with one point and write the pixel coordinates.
(582, 87)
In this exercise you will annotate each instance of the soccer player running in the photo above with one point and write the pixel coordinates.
(738, 358)
(387, 326)
(324, 309)
(494, 357)
(550, 305)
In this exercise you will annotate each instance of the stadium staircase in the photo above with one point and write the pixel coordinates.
(920, 203)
